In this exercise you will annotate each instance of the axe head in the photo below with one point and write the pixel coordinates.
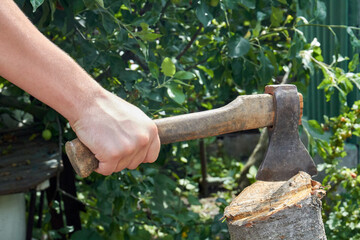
(286, 154)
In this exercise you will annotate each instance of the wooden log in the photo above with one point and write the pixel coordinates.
(278, 210)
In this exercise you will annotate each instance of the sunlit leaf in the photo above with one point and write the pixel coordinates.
(149, 36)
(208, 71)
(36, 3)
(315, 126)
(277, 16)
(354, 63)
(168, 67)
(183, 75)
(94, 4)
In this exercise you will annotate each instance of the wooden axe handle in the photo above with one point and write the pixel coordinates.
(244, 113)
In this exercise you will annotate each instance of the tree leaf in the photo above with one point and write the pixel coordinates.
(277, 16)
(228, 4)
(183, 75)
(154, 69)
(149, 36)
(238, 47)
(355, 42)
(251, 4)
(315, 126)
(320, 12)
(108, 23)
(356, 80)
(266, 70)
(93, 4)
(86, 234)
(193, 200)
(168, 67)
(205, 69)
(354, 62)
(203, 14)
(36, 3)
(176, 93)
(181, 82)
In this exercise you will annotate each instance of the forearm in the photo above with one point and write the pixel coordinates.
(118, 133)
(32, 62)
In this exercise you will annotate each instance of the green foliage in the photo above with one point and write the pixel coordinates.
(342, 183)
(168, 67)
(341, 205)
(172, 57)
(36, 3)
(238, 47)
(139, 204)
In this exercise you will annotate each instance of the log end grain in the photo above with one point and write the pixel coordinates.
(278, 210)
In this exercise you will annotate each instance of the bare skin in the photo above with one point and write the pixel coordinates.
(118, 133)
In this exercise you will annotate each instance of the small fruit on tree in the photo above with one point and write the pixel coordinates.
(46, 134)
(214, 3)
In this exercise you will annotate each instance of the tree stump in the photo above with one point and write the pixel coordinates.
(278, 210)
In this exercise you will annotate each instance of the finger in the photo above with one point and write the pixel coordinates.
(136, 160)
(132, 161)
(153, 151)
(106, 168)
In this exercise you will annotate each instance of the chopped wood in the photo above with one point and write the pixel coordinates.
(278, 210)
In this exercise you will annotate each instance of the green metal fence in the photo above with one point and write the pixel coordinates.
(344, 12)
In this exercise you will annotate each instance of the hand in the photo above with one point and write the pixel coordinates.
(118, 133)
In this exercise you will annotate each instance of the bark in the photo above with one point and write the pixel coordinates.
(278, 210)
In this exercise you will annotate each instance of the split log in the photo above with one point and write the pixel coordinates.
(278, 210)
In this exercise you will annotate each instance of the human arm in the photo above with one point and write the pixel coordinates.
(119, 134)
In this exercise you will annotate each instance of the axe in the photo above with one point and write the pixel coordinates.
(278, 109)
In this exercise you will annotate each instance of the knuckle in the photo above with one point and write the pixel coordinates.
(153, 130)
(143, 140)
(114, 154)
(128, 149)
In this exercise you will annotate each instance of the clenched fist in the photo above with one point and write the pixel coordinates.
(118, 133)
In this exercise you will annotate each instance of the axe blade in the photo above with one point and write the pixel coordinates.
(286, 154)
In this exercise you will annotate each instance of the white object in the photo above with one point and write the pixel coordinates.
(12, 217)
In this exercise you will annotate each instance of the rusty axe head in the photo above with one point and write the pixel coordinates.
(286, 154)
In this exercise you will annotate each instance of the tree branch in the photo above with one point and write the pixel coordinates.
(164, 8)
(190, 43)
(130, 55)
(104, 74)
(146, 8)
(195, 65)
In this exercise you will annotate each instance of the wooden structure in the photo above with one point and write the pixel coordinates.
(26, 161)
